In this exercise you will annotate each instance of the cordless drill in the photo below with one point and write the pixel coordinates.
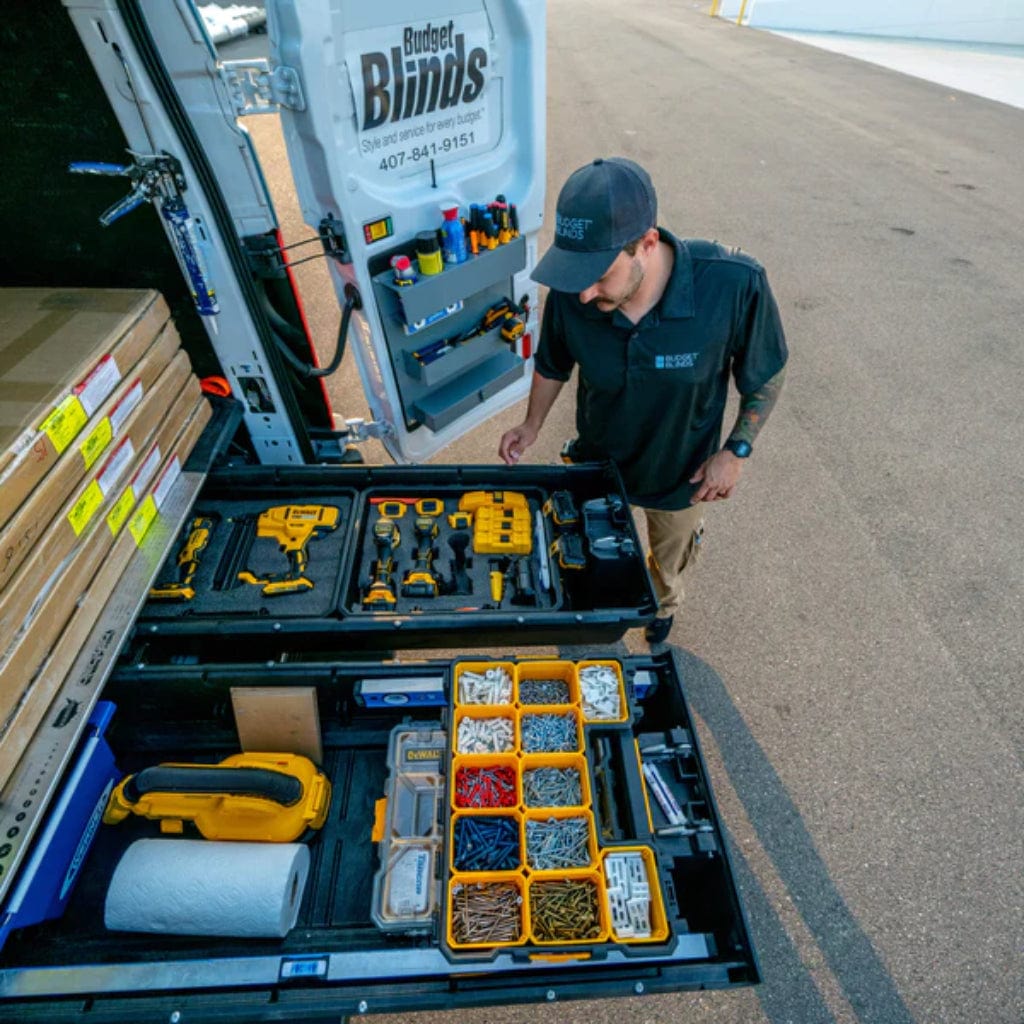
(293, 527)
(420, 580)
(386, 537)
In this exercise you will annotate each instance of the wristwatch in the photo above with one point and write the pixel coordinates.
(741, 449)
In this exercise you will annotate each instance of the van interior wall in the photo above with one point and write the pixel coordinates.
(53, 111)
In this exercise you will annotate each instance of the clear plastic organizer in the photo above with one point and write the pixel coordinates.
(408, 832)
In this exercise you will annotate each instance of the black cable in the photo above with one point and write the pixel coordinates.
(295, 245)
(306, 370)
(295, 263)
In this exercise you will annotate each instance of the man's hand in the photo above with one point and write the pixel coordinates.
(717, 477)
(514, 442)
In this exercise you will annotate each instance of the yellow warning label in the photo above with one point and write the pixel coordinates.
(64, 423)
(95, 444)
(119, 513)
(85, 508)
(141, 520)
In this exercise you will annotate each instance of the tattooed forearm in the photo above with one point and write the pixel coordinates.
(756, 407)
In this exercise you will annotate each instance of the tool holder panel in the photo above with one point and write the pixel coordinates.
(593, 604)
(482, 349)
(438, 392)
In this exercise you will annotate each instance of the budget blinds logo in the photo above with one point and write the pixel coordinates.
(677, 361)
(421, 90)
(572, 227)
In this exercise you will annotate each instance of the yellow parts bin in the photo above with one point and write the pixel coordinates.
(253, 797)
(501, 522)
(293, 527)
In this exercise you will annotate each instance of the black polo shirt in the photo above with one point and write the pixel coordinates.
(651, 396)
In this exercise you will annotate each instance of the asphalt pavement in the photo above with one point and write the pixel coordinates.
(852, 643)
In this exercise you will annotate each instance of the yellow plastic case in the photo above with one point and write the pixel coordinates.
(464, 815)
(462, 883)
(484, 712)
(533, 884)
(561, 670)
(560, 814)
(558, 710)
(481, 667)
(484, 761)
(539, 886)
(529, 762)
(658, 918)
(616, 667)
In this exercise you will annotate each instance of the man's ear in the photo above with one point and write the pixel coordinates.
(650, 240)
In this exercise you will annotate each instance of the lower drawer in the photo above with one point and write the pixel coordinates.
(341, 952)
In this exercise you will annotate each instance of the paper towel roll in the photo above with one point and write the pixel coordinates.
(196, 887)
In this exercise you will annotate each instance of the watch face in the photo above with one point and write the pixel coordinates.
(741, 449)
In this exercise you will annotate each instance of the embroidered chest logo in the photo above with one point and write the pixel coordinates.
(677, 361)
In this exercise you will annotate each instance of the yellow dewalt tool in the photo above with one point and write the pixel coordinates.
(252, 797)
(497, 578)
(420, 580)
(197, 536)
(293, 527)
(381, 593)
(501, 522)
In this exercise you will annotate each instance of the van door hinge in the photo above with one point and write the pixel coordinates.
(358, 430)
(255, 88)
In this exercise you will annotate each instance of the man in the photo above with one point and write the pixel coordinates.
(656, 326)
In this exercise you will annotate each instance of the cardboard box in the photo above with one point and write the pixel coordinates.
(28, 514)
(62, 352)
(30, 680)
(22, 591)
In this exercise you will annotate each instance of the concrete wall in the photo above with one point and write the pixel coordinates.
(970, 21)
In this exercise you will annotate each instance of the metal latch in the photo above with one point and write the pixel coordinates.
(360, 430)
(255, 88)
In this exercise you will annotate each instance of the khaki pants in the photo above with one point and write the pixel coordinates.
(674, 539)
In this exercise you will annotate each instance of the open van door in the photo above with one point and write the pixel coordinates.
(409, 109)
(391, 114)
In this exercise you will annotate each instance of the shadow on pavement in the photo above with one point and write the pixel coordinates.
(789, 993)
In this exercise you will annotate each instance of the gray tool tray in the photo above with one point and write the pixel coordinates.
(597, 603)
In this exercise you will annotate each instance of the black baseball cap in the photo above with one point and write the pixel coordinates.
(601, 207)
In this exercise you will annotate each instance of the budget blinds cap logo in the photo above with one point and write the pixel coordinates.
(421, 90)
(572, 227)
